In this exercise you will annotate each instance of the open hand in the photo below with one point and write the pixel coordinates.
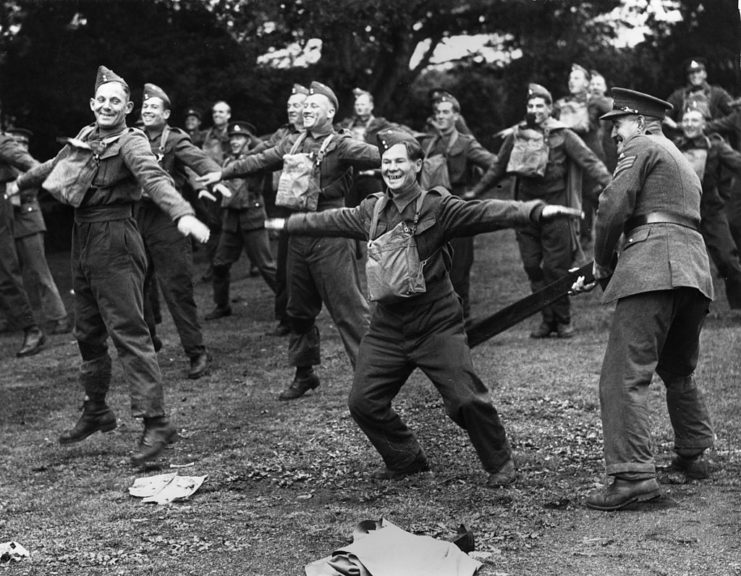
(192, 226)
(210, 178)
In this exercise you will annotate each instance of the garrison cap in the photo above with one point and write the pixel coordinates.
(106, 75)
(358, 92)
(627, 101)
(695, 64)
(242, 128)
(23, 133)
(445, 96)
(154, 91)
(299, 89)
(538, 91)
(193, 112)
(697, 106)
(389, 137)
(578, 67)
(324, 90)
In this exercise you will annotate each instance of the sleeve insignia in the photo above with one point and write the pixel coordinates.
(624, 163)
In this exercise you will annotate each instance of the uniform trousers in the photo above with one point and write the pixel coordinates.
(652, 332)
(323, 270)
(41, 283)
(108, 267)
(12, 291)
(170, 257)
(429, 335)
(720, 244)
(233, 240)
(546, 250)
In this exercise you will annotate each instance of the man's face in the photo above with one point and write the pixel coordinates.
(398, 171)
(578, 83)
(597, 85)
(221, 113)
(624, 128)
(238, 143)
(295, 109)
(697, 76)
(318, 111)
(192, 123)
(110, 105)
(363, 106)
(693, 123)
(538, 109)
(154, 113)
(445, 116)
(21, 140)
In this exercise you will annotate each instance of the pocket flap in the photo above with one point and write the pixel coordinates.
(637, 236)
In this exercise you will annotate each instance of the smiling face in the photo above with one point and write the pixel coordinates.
(110, 105)
(445, 116)
(192, 123)
(295, 110)
(693, 124)
(238, 143)
(697, 76)
(538, 109)
(398, 170)
(318, 112)
(221, 113)
(624, 128)
(154, 113)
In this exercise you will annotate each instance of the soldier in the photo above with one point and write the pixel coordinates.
(320, 270)
(422, 327)
(544, 156)
(709, 154)
(14, 158)
(663, 287)
(192, 122)
(696, 93)
(168, 251)
(109, 263)
(462, 153)
(29, 228)
(581, 111)
(242, 225)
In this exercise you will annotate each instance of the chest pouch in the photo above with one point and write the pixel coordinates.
(393, 268)
(298, 186)
(698, 157)
(435, 168)
(575, 115)
(529, 155)
(76, 167)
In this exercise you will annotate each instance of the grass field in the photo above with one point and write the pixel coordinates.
(287, 482)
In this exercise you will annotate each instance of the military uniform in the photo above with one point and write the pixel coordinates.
(662, 286)
(714, 222)
(242, 227)
(425, 330)
(109, 263)
(29, 228)
(320, 270)
(465, 153)
(169, 252)
(12, 291)
(547, 249)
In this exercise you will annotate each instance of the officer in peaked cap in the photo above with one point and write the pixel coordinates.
(660, 277)
(240, 127)
(109, 265)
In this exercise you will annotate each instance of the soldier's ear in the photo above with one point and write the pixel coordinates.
(129, 107)
(417, 165)
(166, 113)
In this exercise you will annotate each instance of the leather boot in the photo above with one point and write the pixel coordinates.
(95, 416)
(158, 433)
(33, 341)
(300, 386)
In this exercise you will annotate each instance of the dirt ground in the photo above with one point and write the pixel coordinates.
(287, 482)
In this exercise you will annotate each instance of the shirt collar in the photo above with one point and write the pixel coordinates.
(403, 199)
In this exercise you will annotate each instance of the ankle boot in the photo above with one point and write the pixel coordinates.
(158, 433)
(95, 416)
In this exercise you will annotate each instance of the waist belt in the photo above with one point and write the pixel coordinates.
(661, 218)
(103, 213)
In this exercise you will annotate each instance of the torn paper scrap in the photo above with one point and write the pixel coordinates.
(166, 488)
(12, 552)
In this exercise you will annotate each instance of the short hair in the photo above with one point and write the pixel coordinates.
(229, 108)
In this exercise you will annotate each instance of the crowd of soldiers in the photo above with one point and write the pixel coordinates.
(150, 191)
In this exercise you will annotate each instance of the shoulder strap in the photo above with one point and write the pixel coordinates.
(430, 145)
(298, 142)
(377, 209)
(420, 200)
(163, 139)
(453, 140)
(323, 149)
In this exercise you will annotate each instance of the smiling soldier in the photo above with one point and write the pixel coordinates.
(418, 320)
(109, 261)
(317, 174)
